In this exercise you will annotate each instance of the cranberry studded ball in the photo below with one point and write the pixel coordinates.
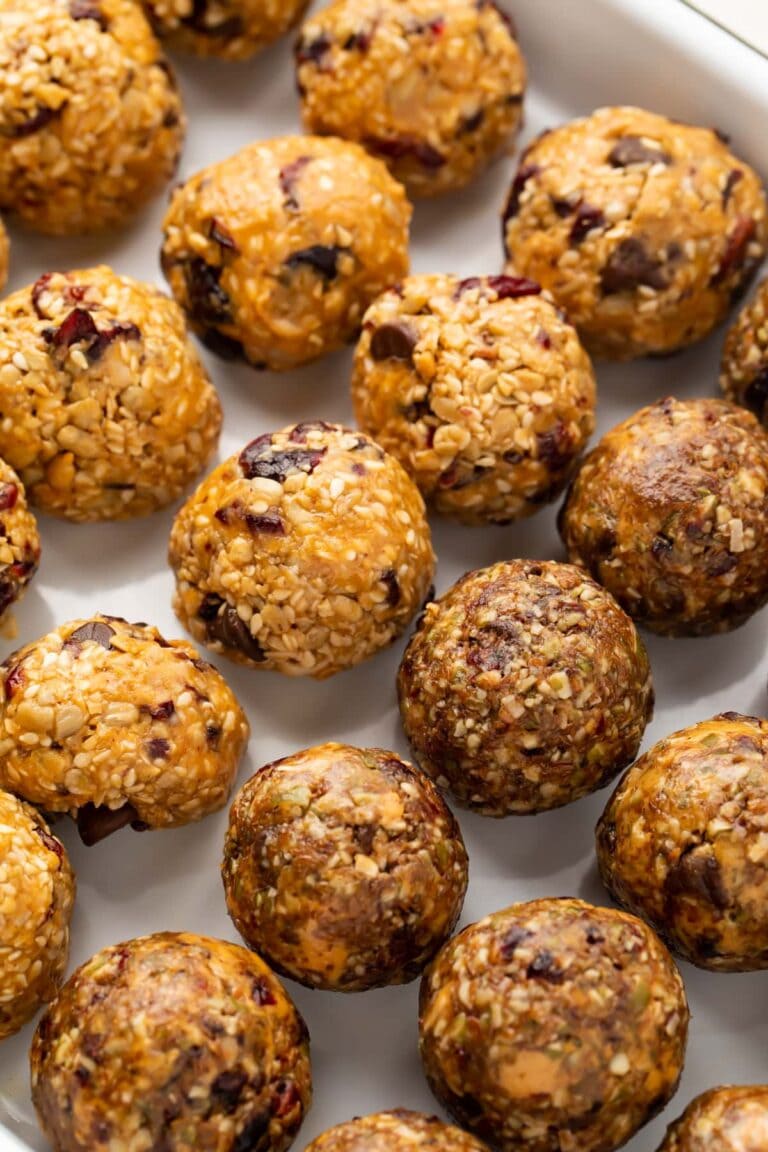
(228, 29)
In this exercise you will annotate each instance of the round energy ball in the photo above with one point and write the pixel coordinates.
(115, 725)
(722, 1120)
(642, 228)
(4, 254)
(670, 513)
(395, 1131)
(553, 1025)
(524, 687)
(744, 368)
(171, 1041)
(19, 539)
(230, 29)
(481, 390)
(306, 554)
(275, 253)
(91, 121)
(682, 842)
(37, 891)
(433, 87)
(344, 868)
(105, 407)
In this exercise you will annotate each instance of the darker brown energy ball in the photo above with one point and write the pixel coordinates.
(722, 1120)
(683, 844)
(524, 688)
(396, 1131)
(344, 868)
(670, 513)
(744, 368)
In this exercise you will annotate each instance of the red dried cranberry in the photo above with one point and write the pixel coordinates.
(9, 494)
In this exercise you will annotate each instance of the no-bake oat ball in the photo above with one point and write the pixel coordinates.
(395, 1131)
(306, 554)
(37, 891)
(276, 252)
(524, 687)
(231, 29)
(433, 87)
(722, 1120)
(172, 1041)
(481, 390)
(554, 1025)
(683, 842)
(19, 539)
(744, 368)
(91, 122)
(344, 868)
(115, 725)
(105, 408)
(670, 513)
(642, 228)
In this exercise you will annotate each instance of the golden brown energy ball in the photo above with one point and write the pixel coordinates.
(115, 725)
(19, 538)
(722, 1120)
(91, 121)
(744, 368)
(683, 844)
(670, 513)
(642, 228)
(276, 253)
(344, 868)
(105, 407)
(230, 29)
(481, 390)
(553, 1025)
(433, 87)
(37, 891)
(4, 255)
(395, 1131)
(524, 687)
(171, 1041)
(306, 554)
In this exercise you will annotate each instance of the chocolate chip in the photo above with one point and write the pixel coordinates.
(9, 494)
(545, 967)
(221, 235)
(269, 523)
(259, 459)
(564, 208)
(756, 394)
(735, 249)
(586, 219)
(158, 749)
(697, 874)
(209, 304)
(634, 150)
(88, 10)
(394, 592)
(395, 341)
(401, 147)
(95, 824)
(321, 258)
(313, 51)
(225, 626)
(734, 177)
(289, 179)
(262, 993)
(227, 1089)
(524, 174)
(250, 1138)
(212, 735)
(95, 632)
(630, 265)
(39, 119)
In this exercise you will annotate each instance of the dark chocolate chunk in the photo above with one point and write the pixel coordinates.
(471, 123)
(756, 394)
(545, 967)
(630, 265)
(564, 208)
(586, 219)
(225, 626)
(199, 20)
(251, 1137)
(289, 179)
(394, 591)
(95, 631)
(357, 42)
(395, 341)
(634, 150)
(227, 1089)
(209, 304)
(697, 875)
(212, 735)
(95, 824)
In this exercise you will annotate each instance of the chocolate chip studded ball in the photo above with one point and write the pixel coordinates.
(276, 252)
(553, 1025)
(433, 87)
(395, 1131)
(744, 368)
(722, 1120)
(306, 554)
(683, 844)
(344, 868)
(643, 229)
(481, 390)
(37, 891)
(115, 725)
(524, 688)
(19, 539)
(669, 512)
(109, 411)
(171, 1041)
(231, 29)
(91, 122)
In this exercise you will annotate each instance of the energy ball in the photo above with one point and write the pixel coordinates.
(524, 688)
(344, 868)
(115, 725)
(4, 255)
(744, 369)
(722, 1120)
(91, 121)
(396, 1131)
(230, 29)
(682, 842)
(19, 539)
(642, 228)
(670, 511)
(105, 408)
(276, 253)
(171, 1041)
(305, 554)
(554, 1025)
(434, 87)
(37, 891)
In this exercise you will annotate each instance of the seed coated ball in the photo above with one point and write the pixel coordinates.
(230, 29)
(481, 390)
(669, 511)
(682, 842)
(642, 228)
(433, 87)
(344, 868)
(19, 539)
(524, 687)
(553, 1025)
(276, 253)
(115, 725)
(395, 1131)
(305, 554)
(744, 368)
(113, 413)
(91, 121)
(722, 1120)
(37, 891)
(171, 1041)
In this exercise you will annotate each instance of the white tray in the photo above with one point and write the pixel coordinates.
(653, 52)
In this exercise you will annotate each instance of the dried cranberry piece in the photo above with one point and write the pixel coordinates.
(513, 287)
(39, 288)
(511, 942)
(544, 339)
(735, 249)
(633, 150)
(158, 748)
(524, 174)
(227, 1089)
(9, 494)
(269, 523)
(51, 843)
(357, 42)
(298, 434)
(555, 446)
(13, 680)
(585, 220)
(321, 258)
(734, 177)
(42, 117)
(395, 341)
(285, 1098)
(313, 51)
(259, 459)
(630, 265)
(262, 993)
(163, 711)
(289, 179)
(78, 327)
(95, 824)
(397, 148)
(88, 10)
(392, 584)
(222, 236)
(95, 631)
(209, 304)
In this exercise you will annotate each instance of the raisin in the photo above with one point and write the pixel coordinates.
(95, 631)
(209, 304)
(395, 341)
(158, 749)
(313, 51)
(96, 824)
(9, 494)
(227, 1089)
(394, 592)
(401, 147)
(259, 459)
(545, 967)
(555, 446)
(524, 174)
(756, 394)
(661, 546)
(321, 258)
(734, 177)
(634, 150)
(630, 265)
(289, 179)
(587, 218)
